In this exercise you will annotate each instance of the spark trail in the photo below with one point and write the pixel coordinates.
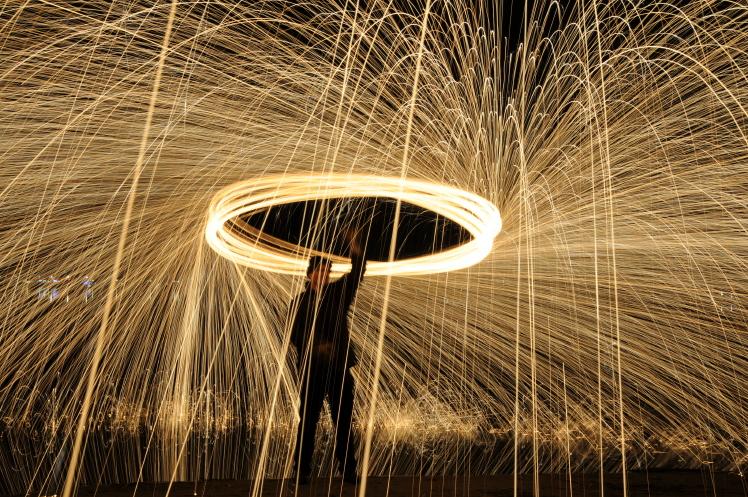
(606, 327)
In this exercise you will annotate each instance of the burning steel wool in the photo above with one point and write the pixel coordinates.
(480, 217)
(594, 319)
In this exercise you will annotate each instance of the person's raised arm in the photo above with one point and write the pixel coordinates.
(358, 265)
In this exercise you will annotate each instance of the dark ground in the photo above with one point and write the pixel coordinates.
(652, 484)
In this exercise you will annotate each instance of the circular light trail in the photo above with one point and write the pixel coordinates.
(252, 248)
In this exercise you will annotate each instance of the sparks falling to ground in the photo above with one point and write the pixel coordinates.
(605, 330)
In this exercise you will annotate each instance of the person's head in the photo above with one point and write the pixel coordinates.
(318, 271)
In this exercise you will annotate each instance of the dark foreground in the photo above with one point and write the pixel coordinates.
(652, 484)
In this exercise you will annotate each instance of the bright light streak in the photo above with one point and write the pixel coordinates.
(476, 214)
(608, 319)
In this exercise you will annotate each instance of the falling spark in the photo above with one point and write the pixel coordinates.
(603, 329)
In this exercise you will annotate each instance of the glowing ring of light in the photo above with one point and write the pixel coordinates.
(474, 213)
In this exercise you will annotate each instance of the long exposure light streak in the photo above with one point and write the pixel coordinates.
(369, 433)
(477, 215)
(100, 337)
(603, 329)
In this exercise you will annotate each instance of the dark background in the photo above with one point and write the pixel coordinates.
(322, 225)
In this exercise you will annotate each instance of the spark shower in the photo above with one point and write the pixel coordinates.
(605, 330)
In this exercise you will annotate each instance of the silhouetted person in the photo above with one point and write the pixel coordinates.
(322, 340)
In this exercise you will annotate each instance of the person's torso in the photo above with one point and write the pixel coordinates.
(325, 323)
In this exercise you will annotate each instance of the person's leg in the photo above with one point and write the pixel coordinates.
(341, 407)
(310, 404)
